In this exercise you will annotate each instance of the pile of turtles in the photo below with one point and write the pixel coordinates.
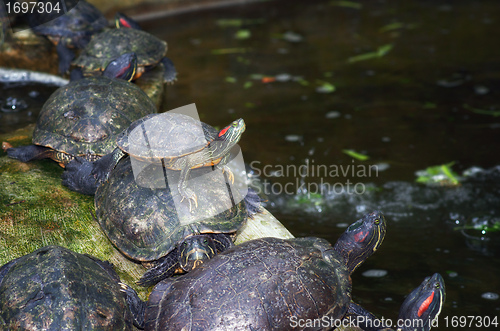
(98, 127)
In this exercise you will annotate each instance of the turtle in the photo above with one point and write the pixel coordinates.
(72, 30)
(106, 45)
(420, 309)
(54, 288)
(149, 224)
(176, 140)
(84, 117)
(263, 284)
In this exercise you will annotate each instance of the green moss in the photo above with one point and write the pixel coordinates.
(36, 210)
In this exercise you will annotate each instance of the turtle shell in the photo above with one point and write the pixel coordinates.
(76, 26)
(54, 288)
(108, 45)
(86, 116)
(262, 284)
(145, 219)
(167, 135)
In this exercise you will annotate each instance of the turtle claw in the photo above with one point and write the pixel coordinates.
(229, 173)
(189, 195)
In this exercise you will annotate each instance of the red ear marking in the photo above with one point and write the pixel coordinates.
(121, 72)
(359, 237)
(124, 23)
(223, 131)
(423, 307)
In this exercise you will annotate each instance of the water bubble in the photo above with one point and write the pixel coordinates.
(332, 114)
(293, 137)
(375, 273)
(14, 105)
(490, 296)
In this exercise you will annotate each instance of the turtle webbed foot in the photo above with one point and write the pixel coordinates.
(190, 196)
(78, 176)
(253, 202)
(164, 268)
(28, 153)
(136, 305)
(170, 75)
(65, 57)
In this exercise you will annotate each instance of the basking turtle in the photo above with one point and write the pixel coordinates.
(84, 117)
(74, 29)
(177, 141)
(145, 219)
(106, 45)
(263, 284)
(54, 288)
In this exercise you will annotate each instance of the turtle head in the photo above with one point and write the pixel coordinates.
(194, 250)
(124, 67)
(361, 239)
(423, 304)
(227, 138)
(123, 21)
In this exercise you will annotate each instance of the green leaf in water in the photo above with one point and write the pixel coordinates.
(440, 174)
(257, 76)
(227, 22)
(243, 34)
(494, 113)
(381, 51)
(392, 26)
(249, 104)
(355, 155)
(325, 87)
(347, 4)
(230, 79)
(221, 51)
(247, 84)
(237, 22)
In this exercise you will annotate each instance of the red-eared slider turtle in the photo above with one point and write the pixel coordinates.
(74, 29)
(107, 45)
(177, 141)
(85, 117)
(264, 284)
(150, 224)
(54, 288)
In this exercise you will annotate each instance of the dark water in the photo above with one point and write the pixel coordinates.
(431, 99)
(428, 101)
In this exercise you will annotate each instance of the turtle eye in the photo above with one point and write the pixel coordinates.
(184, 244)
(205, 241)
(377, 221)
(437, 285)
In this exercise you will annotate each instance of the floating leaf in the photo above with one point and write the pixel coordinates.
(440, 174)
(392, 26)
(229, 50)
(238, 22)
(347, 4)
(247, 84)
(494, 113)
(381, 51)
(357, 156)
(243, 34)
(256, 76)
(325, 87)
(230, 79)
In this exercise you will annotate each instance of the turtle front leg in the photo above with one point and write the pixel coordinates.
(30, 153)
(164, 268)
(136, 306)
(184, 191)
(78, 176)
(170, 75)
(363, 318)
(65, 57)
